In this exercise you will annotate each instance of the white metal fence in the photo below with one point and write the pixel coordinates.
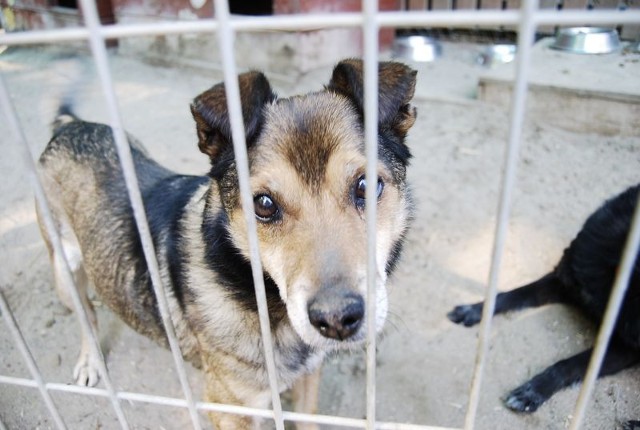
(629, 32)
(370, 21)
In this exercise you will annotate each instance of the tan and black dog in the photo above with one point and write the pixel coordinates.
(307, 165)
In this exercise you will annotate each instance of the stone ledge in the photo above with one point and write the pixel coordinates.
(586, 93)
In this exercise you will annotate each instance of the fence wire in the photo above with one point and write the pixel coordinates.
(370, 21)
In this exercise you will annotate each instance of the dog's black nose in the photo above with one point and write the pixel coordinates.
(336, 315)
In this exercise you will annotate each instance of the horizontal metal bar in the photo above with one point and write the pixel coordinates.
(33, 37)
(324, 21)
(217, 407)
(587, 17)
(21, 343)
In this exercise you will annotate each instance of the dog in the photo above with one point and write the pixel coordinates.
(583, 278)
(307, 175)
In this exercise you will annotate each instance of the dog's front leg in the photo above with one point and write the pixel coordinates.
(305, 397)
(225, 387)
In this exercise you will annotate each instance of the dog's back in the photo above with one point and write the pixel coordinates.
(86, 188)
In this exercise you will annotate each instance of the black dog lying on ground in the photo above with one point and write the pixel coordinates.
(584, 278)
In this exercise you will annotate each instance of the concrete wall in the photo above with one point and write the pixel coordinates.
(270, 51)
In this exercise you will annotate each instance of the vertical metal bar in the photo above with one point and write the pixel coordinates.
(4, 306)
(370, 32)
(31, 363)
(370, 28)
(518, 104)
(102, 64)
(620, 286)
(226, 40)
(57, 246)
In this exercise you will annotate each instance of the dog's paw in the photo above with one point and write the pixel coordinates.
(468, 315)
(525, 398)
(631, 425)
(86, 373)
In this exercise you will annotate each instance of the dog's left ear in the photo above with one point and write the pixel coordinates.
(211, 114)
(396, 85)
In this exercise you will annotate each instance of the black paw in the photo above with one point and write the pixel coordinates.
(631, 425)
(525, 398)
(466, 314)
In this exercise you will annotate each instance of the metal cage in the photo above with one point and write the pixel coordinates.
(526, 19)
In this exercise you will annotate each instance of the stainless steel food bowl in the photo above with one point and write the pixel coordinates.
(633, 47)
(587, 40)
(416, 48)
(497, 54)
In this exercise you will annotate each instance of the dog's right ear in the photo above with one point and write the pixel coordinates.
(397, 84)
(211, 114)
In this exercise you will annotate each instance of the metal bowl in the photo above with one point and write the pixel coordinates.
(587, 40)
(416, 48)
(634, 47)
(497, 54)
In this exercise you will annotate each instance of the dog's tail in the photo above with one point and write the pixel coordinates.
(78, 73)
(64, 115)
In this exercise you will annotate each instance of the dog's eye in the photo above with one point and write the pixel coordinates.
(265, 208)
(361, 189)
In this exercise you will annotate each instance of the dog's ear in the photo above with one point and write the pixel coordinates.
(396, 85)
(211, 114)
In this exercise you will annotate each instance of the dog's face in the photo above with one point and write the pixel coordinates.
(307, 174)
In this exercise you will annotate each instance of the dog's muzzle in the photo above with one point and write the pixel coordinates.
(336, 313)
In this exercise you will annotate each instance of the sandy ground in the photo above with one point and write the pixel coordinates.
(424, 361)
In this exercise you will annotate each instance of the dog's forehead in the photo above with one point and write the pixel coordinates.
(306, 131)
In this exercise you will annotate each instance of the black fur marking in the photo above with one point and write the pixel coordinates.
(66, 108)
(296, 356)
(164, 194)
(165, 206)
(234, 270)
(396, 251)
(225, 163)
(141, 301)
(631, 425)
(393, 149)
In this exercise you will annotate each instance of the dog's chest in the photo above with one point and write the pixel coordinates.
(237, 347)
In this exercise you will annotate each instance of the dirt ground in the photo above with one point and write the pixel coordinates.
(424, 361)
